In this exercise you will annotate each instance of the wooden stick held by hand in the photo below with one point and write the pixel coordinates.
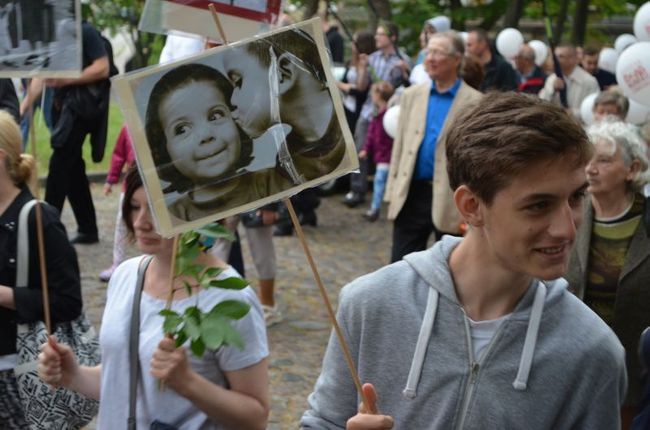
(330, 312)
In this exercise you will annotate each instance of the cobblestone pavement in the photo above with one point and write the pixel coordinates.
(344, 246)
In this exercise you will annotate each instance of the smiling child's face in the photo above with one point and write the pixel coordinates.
(251, 98)
(202, 138)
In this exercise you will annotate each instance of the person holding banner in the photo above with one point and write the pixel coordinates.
(481, 331)
(578, 83)
(279, 81)
(226, 388)
(25, 305)
(198, 148)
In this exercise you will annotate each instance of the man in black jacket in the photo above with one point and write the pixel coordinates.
(80, 107)
(499, 75)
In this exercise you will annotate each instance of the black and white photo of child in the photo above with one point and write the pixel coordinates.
(198, 148)
(234, 128)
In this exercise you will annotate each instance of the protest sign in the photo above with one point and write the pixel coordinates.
(236, 127)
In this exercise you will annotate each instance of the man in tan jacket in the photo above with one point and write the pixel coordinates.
(418, 190)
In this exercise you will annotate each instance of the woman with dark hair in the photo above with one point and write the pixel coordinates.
(225, 388)
(198, 148)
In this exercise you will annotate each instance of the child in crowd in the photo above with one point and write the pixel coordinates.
(198, 148)
(123, 155)
(378, 145)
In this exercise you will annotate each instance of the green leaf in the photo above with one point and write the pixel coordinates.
(171, 323)
(192, 327)
(181, 338)
(189, 239)
(232, 337)
(233, 309)
(188, 287)
(212, 331)
(168, 313)
(216, 231)
(197, 347)
(212, 272)
(232, 283)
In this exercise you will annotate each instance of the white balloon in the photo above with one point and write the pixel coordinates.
(633, 72)
(607, 59)
(642, 22)
(637, 113)
(541, 51)
(587, 109)
(464, 35)
(509, 42)
(623, 41)
(391, 117)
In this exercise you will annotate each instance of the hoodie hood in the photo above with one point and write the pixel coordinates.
(432, 266)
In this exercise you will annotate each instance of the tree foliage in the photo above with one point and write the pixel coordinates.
(571, 19)
(124, 15)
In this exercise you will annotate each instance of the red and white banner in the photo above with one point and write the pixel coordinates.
(239, 18)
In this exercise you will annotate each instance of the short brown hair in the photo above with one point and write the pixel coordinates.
(504, 134)
(384, 89)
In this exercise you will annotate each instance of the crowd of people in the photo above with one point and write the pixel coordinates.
(527, 311)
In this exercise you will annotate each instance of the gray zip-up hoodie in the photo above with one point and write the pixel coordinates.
(553, 364)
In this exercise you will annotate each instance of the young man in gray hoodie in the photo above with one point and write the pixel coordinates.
(481, 332)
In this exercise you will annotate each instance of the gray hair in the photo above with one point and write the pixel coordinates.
(455, 41)
(613, 97)
(626, 137)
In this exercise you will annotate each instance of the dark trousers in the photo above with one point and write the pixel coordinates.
(413, 225)
(67, 178)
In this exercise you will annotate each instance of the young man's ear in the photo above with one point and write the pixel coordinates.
(469, 206)
(287, 72)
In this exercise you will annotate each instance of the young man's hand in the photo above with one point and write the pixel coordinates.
(365, 419)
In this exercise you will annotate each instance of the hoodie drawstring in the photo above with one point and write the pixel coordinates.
(526, 361)
(421, 347)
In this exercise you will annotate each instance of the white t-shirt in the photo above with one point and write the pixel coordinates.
(153, 404)
(482, 333)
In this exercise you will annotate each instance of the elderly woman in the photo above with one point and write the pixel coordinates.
(610, 265)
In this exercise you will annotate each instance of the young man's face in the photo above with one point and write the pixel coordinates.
(475, 46)
(590, 63)
(531, 224)
(382, 39)
(251, 98)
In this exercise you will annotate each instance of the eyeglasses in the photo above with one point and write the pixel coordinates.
(439, 53)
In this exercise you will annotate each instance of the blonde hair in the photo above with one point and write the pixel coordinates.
(20, 167)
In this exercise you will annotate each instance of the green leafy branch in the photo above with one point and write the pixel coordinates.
(210, 329)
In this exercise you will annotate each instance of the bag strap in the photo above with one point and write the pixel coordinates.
(22, 248)
(134, 341)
